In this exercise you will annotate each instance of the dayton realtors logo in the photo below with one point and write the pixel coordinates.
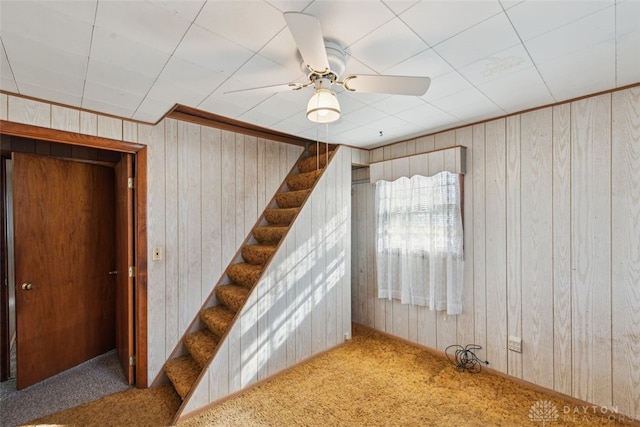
(545, 412)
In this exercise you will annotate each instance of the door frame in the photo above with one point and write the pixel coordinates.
(139, 151)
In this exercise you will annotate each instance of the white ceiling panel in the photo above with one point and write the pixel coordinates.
(568, 75)
(526, 84)
(137, 59)
(431, 20)
(595, 28)
(250, 24)
(388, 45)
(144, 22)
(493, 35)
(127, 53)
(533, 18)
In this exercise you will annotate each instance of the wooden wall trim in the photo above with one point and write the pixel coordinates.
(64, 137)
(193, 115)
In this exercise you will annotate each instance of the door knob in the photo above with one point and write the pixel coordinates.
(27, 286)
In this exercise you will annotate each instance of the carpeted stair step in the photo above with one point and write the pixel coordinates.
(303, 181)
(314, 162)
(233, 296)
(291, 199)
(258, 254)
(269, 234)
(183, 372)
(201, 345)
(217, 319)
(282, 216)
(245, 274)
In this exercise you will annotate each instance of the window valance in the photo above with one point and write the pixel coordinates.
(426, 164)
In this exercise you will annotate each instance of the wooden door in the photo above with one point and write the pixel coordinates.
(64, 251)
(124, 260)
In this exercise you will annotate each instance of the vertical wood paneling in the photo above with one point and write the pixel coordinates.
(591, 248)
(228, 198)
(172, 254)
(211, 207)
(109, 127)
(425, 144)
(625, 226)
(496, 244)
(537, 244)
(514, 243)
(129, 131)
(189, 223)
(66, 119)
(153, 137)
(240, 191)
(445, 139)
(88, 123)
(344, 294)
(332, 262)
(4, 114)
(30, 112)
(561, 154)
(479, 238)
(251, 208)
(318, 271)
(466, 327)
(303, 305)
(290, 299)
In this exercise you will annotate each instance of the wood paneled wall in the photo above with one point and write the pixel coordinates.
(552, 249)
(302, 304)
(206, 188)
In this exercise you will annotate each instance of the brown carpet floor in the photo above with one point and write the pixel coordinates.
(373, 380)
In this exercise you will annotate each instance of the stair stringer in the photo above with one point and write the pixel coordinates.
(301, 306)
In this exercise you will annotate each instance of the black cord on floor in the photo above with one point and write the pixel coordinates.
(465, 359)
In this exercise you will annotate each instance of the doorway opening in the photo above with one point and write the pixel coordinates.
(98, 151)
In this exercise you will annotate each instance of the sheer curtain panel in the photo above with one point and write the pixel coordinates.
(419, 241)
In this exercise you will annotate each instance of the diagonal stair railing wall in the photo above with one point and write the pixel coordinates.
(285, 297)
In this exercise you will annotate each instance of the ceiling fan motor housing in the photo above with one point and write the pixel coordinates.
(337, 62)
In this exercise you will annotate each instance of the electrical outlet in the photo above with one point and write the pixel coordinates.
(157, 254)
(515, 344)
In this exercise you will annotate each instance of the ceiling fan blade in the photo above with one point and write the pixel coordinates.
(307, 34)
(393, 85)
(270, 88)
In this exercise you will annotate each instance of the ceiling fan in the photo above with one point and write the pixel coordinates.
(325, 61)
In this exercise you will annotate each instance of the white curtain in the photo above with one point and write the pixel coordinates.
(419, 241)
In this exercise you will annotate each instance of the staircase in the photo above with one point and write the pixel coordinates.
(196, 348)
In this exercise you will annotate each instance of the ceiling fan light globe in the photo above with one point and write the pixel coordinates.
(323, 107)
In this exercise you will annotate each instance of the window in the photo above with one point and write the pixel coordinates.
(419, 241)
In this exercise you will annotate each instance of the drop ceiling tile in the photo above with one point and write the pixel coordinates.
(427, 116)
(497, 66)
(427, 63)
(595, 28)
(47, 92)
(526, 84)
(110, 75)
(491, 36)
(171, 93)
(627, 43)
(43, 57)
(433, 22)
(30, 74)
(187, 10)
(388, 45)
(399, 6)
(191, 77)
(151, 110)
(274, 109)
(365, 115)
(467, 103)
(344, 22)
(41, 25)
(249, 24)
(112, 96)
(446, 85)
(583, 72)
(82, 11)
(107, 108)
(127, 53)
(143, 22)
(7, 81)
(397, 104)
(283, 50)
(533, 18)
(206, 49)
